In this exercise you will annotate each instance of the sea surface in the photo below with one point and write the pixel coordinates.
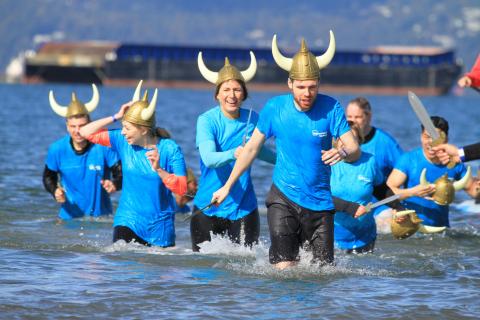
(72, 270)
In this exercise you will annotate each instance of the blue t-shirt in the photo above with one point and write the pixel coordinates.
(412, 164)
(300, 173)
(227, 134)
(146, 206)
(80, 176)
(385, 150)
(355, 182)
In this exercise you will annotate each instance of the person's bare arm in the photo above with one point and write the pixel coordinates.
(397, 178)
(92, 127)
(246, 158)
(350, 151)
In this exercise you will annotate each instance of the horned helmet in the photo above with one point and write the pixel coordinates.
(228, 71)
(304, 65)
(444, 187)
(141, 112)
(407, 228)
(76, 107)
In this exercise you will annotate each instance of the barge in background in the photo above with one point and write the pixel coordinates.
(382, 70)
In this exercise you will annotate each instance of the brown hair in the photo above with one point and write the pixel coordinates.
(162, 133)
(362, 103)
(79, 116)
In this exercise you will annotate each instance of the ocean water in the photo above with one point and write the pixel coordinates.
(72, 270)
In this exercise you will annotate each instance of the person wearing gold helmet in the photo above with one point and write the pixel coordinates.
(84, 168)
(303, 122)
(154, 169)
(429, 200)
(221, 133)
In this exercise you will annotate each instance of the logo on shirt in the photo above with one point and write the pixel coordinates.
(363, 178)
(319, 134)
(94, 167)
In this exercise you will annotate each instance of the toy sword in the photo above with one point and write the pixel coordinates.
(427, 123)
(371, 206)
(208, 206)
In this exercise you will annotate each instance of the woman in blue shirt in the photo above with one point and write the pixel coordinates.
(355, 182)
(221, 133)
(154, 169)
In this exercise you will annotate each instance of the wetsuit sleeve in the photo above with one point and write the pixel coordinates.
(213, 159)
(472, 152)
(345, 206)
(100, 137)
(474, 74)
(117, 176)
(50, 180)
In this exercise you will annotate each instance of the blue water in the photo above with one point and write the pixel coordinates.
(73, 270)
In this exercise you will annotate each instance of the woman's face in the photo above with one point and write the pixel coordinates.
(133, 133)
(230, 96)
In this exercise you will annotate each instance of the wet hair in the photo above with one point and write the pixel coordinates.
(356, 131)
(439, 123)
(191, 176)
(242, 84)
(162, 133)
(362, 103)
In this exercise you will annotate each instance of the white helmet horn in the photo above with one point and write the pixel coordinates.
(423, 178)
(249, 73)
(209, 75)
(460, 184)
(93, 103)
(282, 61)
(58, 109)
(148, 112)
(325, 58)
(430, 229)
(136, 94)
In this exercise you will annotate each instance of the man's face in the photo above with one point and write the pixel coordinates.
(359, 117)
(304, 92)
(73, 128)
(427, 140)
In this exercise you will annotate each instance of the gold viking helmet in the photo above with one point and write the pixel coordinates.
(304, 65)
(141, 112)
(228, 72)
(411, 225)
(444, 187)
(76, 107)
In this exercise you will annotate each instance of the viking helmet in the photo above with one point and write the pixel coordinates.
(304, 65)
(76, 107)
(228, 72)
(444, 187)
(405, 229)
(141, 112)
